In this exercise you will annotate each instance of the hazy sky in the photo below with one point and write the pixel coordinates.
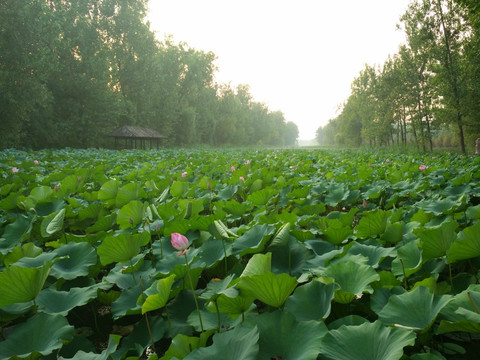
(299, 57)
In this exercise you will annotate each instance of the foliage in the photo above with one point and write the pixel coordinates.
(74, 71)
(428, 87)
(313, 255)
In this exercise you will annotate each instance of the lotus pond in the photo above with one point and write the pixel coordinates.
(279, 254)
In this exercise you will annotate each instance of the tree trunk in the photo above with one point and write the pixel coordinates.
(453, 76)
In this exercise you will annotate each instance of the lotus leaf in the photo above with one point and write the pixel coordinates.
(368, 341)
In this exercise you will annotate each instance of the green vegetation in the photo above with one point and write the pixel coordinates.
(73, 71)
(426, 94)
(291, 254)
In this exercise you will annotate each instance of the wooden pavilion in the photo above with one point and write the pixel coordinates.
(132, 134)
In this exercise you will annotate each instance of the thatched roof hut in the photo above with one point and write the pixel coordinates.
(133, 133)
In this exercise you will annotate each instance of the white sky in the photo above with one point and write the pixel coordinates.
(299, 57)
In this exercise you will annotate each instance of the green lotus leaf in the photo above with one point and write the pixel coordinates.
(466, 246)
(473, 212)
(239, 343)
(191, 207)
(239, 305)
(453, 315)
(221, 231)
(254, 240)
(235, 208)
(103, 223)
(348, 320)
(380, 297)
(128, 303)
(311, 301)
(16, 232)
(281, 336)
(183, 345)
(108, 192)
(269, 288)
(414, 310)
(160, 298)
(216, 288)
(212, 320)
(131, 214)
(127, 193)
(375, 254)
(282, 237)
(178, 310)
(22, 284)
(261, 197)
(368, 341)
(373, 224)
(139, 339)
(121, 248)
(113, 342)
(77, 258)
(124, 279)
(178, 188)
(336, 194)
(352, 277)
(227, 192)
(335, 230)
(409, 259)
(435, 241)
(55, 302)
(52, 223)
(41, 193)
(39, 335)
(393, 233)
(19, 252)
(291, 259)
(211, 251)
(438, 206)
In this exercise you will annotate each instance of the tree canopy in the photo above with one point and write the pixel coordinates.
(73, 71)
(428, 92)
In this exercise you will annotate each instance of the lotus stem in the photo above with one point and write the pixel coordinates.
(146, 319)
(225, 257)
(193, 292)
(473, 302)
(405, 284)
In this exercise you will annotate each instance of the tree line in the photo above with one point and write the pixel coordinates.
(428, 92)
(73, 71)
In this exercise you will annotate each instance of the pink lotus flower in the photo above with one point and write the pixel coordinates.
(56, 187)
(232, 168)
(35, 162)
(184, 174)
(247, 162)
(364, 204)
(209, 186)
(422, 167)
(79, 178)
(387, 160)
(242, 178)
(15, 170)
(180, 243)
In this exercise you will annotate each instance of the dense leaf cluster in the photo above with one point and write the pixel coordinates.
(71, 72)
(426, 94)
(293, 255)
